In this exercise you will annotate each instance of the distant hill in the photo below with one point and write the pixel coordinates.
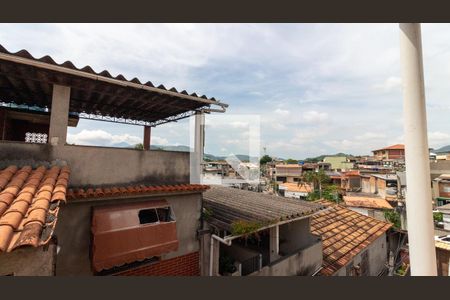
(122, 145)
(181, 148)
(445, 149)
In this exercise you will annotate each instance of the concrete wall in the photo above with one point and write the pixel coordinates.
(294, 236)
(106, 166)
(74, 230)
(377, 254)
(365, 185)
(305, 262)
(29, 261)
(437, 168)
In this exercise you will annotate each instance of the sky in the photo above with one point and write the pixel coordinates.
(314, 88)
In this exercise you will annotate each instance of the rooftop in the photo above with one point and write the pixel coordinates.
(366, 202)
(131, 190)
(229, 205)
(28, 81)
(392, 147)
(345, 234)
(294, 187)
(29, 204)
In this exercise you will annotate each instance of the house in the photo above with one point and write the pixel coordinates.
(443, 256)
(259, 234)
(384, 185)
(393, 152)
(353, 244)
(351, 180)
(339, 163)
(441, 189)
(288, 173)
(295, 190)
(445, 210)
(367, 204)
(335, 177)
(127, 211)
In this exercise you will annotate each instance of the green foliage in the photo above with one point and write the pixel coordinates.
(393, 217)
(265, 159)
(139, 146)
(207, 214)
(438, 217)
(245, 227)
(318, 180)
(291, 161)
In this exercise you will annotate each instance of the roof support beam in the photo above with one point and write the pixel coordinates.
(59, 115)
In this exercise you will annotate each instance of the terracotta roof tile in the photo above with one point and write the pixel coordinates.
(25, 204)
(115, 191)
(345, 233)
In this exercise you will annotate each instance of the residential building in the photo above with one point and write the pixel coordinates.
(298, 190)
(384, 185)
(339, 163)
(128, 211)
(353, 244)
(393, 152)
(445, 210)
(441, 190)
(258, 234)
(367, 204)
(288, 173)
(443, 256)
(351, 180)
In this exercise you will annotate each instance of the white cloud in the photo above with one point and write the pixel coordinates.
(103, 138)
(438, 139)
(392, 83)
(314, 116)
(282, 112)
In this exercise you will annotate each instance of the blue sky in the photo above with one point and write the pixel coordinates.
(317, 88)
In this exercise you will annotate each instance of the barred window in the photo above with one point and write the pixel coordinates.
(33, 137)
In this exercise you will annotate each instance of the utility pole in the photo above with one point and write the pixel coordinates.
(418, 194)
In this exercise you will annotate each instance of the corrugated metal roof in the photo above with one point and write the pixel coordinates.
(229, 205)
(27, 80)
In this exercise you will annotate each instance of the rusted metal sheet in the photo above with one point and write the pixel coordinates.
(120, 238)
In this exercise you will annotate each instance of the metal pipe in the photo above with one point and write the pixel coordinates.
(418, 199)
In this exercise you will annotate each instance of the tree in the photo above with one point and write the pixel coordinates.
(317, 179)
(291, 161)
(139, 146)
(265, 159)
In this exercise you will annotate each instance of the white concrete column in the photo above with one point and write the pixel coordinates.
(274, 233)
(418, 195)
(59, 115)
(199, 145)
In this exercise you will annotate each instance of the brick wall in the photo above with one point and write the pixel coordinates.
(185, 265)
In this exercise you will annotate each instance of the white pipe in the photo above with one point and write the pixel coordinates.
(418, 199)
(211, 250)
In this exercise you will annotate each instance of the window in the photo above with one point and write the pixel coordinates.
(147, 216)
(161, 214)
(164, 214)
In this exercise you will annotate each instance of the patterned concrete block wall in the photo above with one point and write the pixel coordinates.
(185, 265)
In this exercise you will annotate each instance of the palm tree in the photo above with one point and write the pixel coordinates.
(317, 179)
